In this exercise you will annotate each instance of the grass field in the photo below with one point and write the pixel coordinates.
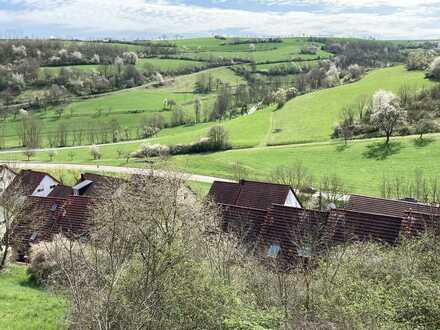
(306, 119)
(24, 306)
(362, 164)
(266, 67)
(312, 117)
(156, 64)
(204, 48)
(129, 107)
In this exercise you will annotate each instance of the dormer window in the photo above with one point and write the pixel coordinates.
(274, 250)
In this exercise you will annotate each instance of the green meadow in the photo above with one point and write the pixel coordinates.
(290, 49)
(23, 305)
(155, 64)
(128, 107)
(312, 117)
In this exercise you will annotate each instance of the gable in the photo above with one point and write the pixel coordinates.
(45, 187)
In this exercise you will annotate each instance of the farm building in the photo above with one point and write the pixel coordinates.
(263, 218)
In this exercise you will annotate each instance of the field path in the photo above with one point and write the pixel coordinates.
(109, 169)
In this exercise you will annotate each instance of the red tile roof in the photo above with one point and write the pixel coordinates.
(415, 223)
(61, 191)
(48, 216)
(243, 220)
(26, 182)
(389, 207)
(290, 228)
(351, 225)
(101, 185)
(258, 195)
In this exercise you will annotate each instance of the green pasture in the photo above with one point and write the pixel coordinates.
(23, 305)
(312, 117)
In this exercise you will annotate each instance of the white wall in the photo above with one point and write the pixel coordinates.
(45, 187)
(6, 177)
(292, 201)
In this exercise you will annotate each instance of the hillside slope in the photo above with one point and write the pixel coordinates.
(312, 117)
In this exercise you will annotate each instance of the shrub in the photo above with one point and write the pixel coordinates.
(41, 266)
(48, 258)
(434, 69)
(151, 150)
(149, 131)
(51, 153)
(95, 152)
(218, 137)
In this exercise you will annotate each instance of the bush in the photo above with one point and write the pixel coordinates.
(218, 137)
(149, 131)
(95, 152)
(434, 69)
(41, 266)
(376, 286)
(151, 150)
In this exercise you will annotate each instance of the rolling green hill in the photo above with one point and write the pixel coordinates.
(312, 117)
(156, 64)
(128, 107)
(205, 48)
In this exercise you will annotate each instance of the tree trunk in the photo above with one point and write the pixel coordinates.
(5, 252)
(387, 140)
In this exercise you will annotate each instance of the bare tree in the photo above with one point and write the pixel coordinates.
(29, 153)
(139, 267)
(11, 206)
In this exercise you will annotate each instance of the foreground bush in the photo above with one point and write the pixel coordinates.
(373, 286)
(155, 261)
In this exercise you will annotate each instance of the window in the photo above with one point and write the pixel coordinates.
(34, 236)
(305, 250)
(274, 250)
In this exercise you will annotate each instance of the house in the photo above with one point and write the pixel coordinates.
(271, 218)
(252, 194)
(94, 185)
(32, 183)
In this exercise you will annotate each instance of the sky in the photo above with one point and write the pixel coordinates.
(144, 19)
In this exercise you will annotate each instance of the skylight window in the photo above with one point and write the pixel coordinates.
(274, 250)
(34, 236)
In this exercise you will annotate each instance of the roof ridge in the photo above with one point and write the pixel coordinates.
(297, 208)
(370, 213)
(268, 183)
(389, 200)
(243, 207)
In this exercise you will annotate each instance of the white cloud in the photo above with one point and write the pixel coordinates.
(160, 16)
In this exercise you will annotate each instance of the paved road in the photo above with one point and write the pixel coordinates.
(108, 169)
